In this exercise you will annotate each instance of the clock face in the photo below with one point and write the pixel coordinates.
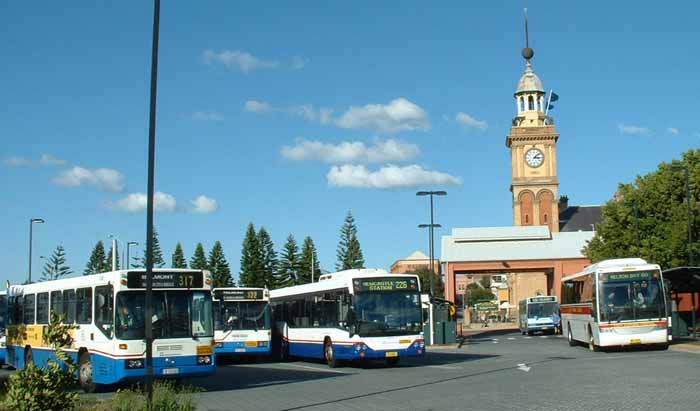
(534, 157)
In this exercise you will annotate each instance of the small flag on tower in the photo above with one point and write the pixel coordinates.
(552, 98)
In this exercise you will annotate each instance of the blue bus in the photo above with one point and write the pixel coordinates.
(241, 322)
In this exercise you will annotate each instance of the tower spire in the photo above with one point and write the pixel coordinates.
(527, 51)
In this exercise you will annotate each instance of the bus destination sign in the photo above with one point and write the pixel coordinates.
(544, 299)
(137, 279)
(630, 276)
(238, 295)
(385, 284)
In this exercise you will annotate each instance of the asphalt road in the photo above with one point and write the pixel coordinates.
(503, 372)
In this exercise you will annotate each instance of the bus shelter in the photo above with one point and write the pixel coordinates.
(684, 287)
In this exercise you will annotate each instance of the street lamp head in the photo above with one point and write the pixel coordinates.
(37, 220)
(434, 193)
(440, 193)
(423, 225)
(132, 243)
(422, 193)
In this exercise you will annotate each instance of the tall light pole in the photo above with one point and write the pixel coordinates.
(115, 244)
(432, 222)
(149, 205)
(687, 198)
(430, 251)
(31, 224)
(128, 246)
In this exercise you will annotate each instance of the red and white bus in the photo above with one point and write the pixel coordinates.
(615, 303)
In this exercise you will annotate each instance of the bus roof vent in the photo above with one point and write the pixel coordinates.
(624, 262)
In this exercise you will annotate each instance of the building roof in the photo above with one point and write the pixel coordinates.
(417, 255)
(529, 81)
(521, 245)
(580, 218)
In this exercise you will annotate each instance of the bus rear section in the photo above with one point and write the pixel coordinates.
(242, 320)
(538, 314)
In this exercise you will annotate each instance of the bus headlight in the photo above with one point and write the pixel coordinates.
(262, 343)
(203, 359)
(132, 364)
(219, 345)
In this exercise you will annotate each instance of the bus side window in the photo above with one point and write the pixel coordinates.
(29, 310)
(57, 302)
(83, 306)
(104, 310)
(69, 306)
(42, 308)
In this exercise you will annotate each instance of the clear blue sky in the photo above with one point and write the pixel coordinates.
(290, 114)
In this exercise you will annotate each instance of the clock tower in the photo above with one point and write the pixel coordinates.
(533, 147)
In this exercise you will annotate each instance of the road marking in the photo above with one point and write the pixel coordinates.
(446, 367)
(495, 342)
(308, 367)
(511, 338)
(524, 367)
(528, 338)
(544, 336)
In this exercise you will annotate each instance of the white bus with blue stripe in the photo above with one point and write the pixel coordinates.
(350, 315)
(108, 310)
(241, 322)
(3, 316)
(538, 314)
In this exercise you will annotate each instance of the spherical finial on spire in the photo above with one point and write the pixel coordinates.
(528, 53)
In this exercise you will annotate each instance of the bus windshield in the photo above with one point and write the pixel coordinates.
(176, 314)
(387, 313)
(631, 296)
(242, 315)
(541, 310)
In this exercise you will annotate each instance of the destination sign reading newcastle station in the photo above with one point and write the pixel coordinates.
(238, 295)
(137, 279)
(385, 284)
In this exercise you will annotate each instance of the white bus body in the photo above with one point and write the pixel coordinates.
(108, 310)
(242, 321)
(617, 302)
(537, 314)
(3, 324)
(349, 315)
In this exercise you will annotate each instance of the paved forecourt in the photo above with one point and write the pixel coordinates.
(502, 372)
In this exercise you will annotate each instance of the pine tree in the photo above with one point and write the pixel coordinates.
(158, 261)
(108, 259)
(178, 259)
(56, 267)
(199, 259)
(288, 267)
(308, 257)
(96, 263)
(268, 260)
(349, 250)
(251, 265)
(219, 266)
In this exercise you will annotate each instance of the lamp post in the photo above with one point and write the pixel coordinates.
(430, 228)
(115, 244)
(432, 225)
(687, 197)
(128, 246)
(31, 224)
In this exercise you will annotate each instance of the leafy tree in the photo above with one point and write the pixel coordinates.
(199, 259)
(56, 267)
(178, 258)
(288, 268)
(219, 267)
(158, 261)
(349, 251)
(486, 282)
(108, 258)
(268, 260)
(308, 256)
(96, 263)
(251, 264)
(476, 294)
(424, 277)
(659, 200)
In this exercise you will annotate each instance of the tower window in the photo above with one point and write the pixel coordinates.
(545, 218)
(527, 219)
(530, 103)
(522, 104)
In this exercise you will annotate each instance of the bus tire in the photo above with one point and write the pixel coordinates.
(569, 336)
(591, 342)
(86, 373)
(284, 351)
(28, 356)
(329, 353)
(530, 333)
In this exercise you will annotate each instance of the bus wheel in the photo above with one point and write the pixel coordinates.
(329, 353)
(569, 336)
(591, 342)
(530, 333)
(28, 357)
(85, 373)
(284, 351)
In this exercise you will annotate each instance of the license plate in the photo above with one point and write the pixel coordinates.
(391, 354)
(251, 343)
(635, 341)
(171, 371)
(240, 350)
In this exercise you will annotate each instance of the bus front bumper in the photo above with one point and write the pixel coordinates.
(232, 348)
(361, 351)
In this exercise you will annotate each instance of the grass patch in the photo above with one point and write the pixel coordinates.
(167, 396)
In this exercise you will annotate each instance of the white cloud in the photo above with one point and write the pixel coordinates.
(633, 130)
(44, 160)
(105, 179)
(207, 116)
(136, 202)
(391, 176)
(18, 162)
(49, 160)
(237, 59)
(257, 106)
(204, 205)
(350, 151)
(470, 122)
(299, 62)
(322, 115)
(672, 130)
(399, 115)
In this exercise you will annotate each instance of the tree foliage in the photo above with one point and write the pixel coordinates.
(659, 200)
(158, 261)
(56, 267)
(476, 293)
(349, 251)
(288, 268)
(96, 263)
(251, 265)
(178, 258)
(199, 259)
(424, 277)
(306, 259)
(220, 270)
(267, 260)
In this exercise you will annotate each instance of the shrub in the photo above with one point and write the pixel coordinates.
(166, 397)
